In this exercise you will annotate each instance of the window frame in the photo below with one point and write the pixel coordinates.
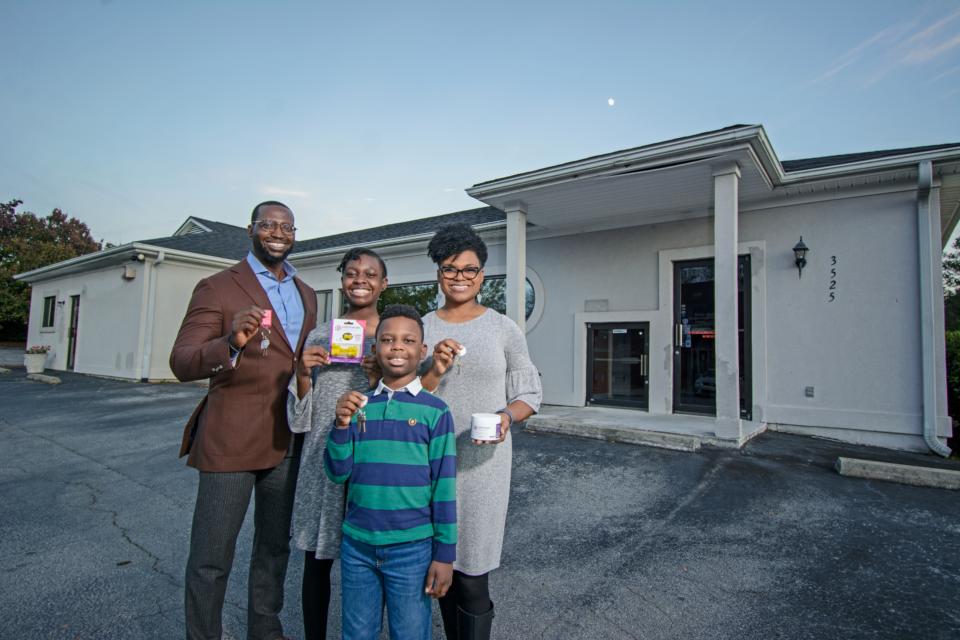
(48, 317)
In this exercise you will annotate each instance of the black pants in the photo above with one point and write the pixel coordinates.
(222, 502)
(469, 593)
(315, 596)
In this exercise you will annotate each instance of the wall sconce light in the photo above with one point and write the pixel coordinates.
(800, 250)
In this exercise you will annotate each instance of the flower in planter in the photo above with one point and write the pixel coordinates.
(38, 350)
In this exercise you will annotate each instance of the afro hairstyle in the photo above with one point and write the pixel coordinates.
(454, 239)
(400, 311)
(355, 253)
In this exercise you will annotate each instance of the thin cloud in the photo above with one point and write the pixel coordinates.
(926, 53)
(280, 191)
(894, 48)
(852, 56)
(833, 71)
(945, 74)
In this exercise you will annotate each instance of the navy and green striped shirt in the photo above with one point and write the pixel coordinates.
(402, 471)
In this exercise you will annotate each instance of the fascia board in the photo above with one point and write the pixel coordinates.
(85, 261)
(680, 151)
(115, 255)
(388, 242)
(870, 166)
(185, 256)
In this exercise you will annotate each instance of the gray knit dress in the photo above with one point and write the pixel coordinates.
(318, 504)
(495, 372)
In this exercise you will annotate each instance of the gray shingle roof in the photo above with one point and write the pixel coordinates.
(231, 242)
(219, 226)
(830, 161)
(225, 241)
(400, 229)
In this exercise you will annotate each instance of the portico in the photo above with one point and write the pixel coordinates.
(675, 181)
(657, 265)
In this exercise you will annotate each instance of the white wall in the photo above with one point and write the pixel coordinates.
(112, 327)
(859, 352)
(175, 284)
(111, 314)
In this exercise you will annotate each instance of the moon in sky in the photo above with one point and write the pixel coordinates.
(610, 102)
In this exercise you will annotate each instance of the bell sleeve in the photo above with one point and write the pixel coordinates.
(523, 379)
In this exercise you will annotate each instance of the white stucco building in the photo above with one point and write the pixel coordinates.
(657, 285)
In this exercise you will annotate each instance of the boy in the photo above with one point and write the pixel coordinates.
(399, 454)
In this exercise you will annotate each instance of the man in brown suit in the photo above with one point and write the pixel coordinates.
(238, 438)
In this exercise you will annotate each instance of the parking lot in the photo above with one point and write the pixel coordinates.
(603, 540)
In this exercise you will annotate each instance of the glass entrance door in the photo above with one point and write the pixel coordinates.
(694, 360)
(618, 364)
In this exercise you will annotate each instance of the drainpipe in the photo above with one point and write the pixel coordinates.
(148, 330)
(928, 326)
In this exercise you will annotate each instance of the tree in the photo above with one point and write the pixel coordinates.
(28, 242)
(951, 286)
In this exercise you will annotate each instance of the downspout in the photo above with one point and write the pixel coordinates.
(928, 326)
(148, 331)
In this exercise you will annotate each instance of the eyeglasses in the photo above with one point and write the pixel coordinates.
(450, 273)
(270, 225)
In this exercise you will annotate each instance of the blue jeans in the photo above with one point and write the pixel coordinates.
(397, 571)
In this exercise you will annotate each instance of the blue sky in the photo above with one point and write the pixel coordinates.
(134, 115)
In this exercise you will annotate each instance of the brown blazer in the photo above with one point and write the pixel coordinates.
(241, 424)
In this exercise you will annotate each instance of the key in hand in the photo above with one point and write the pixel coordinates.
(264, 343)
(362, 417)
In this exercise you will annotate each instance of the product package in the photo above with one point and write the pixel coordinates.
(346, 340)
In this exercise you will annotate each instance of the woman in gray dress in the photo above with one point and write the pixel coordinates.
(313, 392)
(493, 375)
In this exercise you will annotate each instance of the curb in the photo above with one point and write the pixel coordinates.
(672, 441)
(900, 473)
(39, 377)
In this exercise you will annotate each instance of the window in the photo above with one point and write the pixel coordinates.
(324, 306)
(422, 297)
(49, 311)
(494, 292)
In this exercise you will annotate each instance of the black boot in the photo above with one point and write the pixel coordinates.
(448, 611)
(474, 627)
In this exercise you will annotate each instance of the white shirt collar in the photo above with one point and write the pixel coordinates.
(413, 388)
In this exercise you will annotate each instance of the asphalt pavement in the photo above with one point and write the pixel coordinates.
(603, 540)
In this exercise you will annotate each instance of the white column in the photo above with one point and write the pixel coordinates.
(726, 180)
(517, 263)
(151, 311)
(930, 284)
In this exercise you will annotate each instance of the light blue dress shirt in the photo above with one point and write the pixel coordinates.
(284, 298)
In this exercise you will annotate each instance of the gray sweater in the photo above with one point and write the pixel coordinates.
(495, 372)
(319, 504)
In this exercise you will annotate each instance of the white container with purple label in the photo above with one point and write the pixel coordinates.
(485, 426)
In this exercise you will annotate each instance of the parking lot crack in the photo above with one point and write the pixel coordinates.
(124, 533)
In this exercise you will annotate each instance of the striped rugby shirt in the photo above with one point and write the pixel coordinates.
(402, 470)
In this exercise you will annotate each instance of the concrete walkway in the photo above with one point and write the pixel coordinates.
(602, 541)
(567, 419)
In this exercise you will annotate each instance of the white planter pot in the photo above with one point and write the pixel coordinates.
(34, 362)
